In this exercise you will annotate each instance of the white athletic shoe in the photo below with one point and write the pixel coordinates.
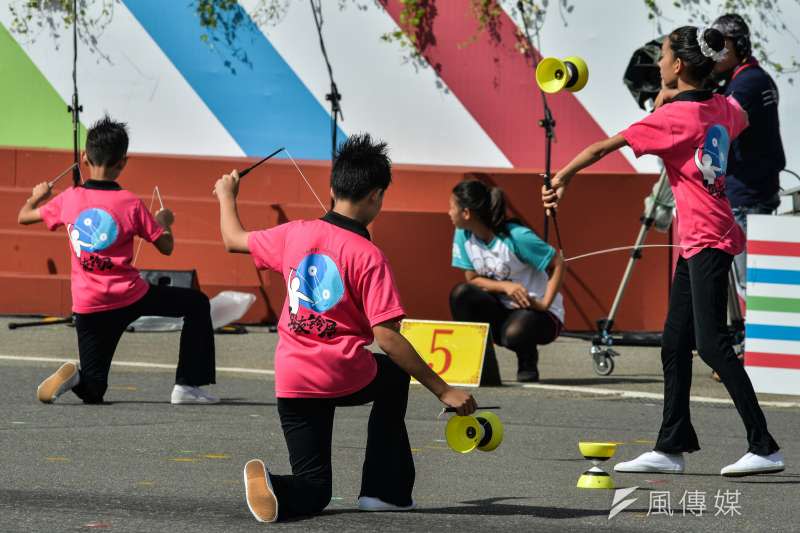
(183, 394)
(751, 464)
(62, 380)
(368, 503)
(662, 463)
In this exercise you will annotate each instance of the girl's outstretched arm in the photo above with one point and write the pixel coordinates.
(590, 155)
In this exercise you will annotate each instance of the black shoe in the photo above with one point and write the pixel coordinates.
(528, 368)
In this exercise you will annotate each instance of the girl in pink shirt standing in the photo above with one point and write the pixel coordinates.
(691, 133)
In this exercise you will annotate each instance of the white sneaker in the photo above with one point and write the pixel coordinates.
(368, 503)
(258, 492)
(751, 464)
(182, 394)
(62, 380)
(662, 463)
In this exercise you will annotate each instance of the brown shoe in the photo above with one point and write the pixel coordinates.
(58, 383)
(260, 497)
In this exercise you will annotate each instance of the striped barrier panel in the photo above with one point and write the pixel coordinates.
(772, 355)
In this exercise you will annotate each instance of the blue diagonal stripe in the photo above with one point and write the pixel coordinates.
(767, 275)
(778, 333)
(248, 86)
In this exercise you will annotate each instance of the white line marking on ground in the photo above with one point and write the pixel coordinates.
(637, 395)
(641, 395)
(136, 364)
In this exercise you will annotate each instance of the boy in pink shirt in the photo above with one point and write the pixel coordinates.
(341, 296)
(692, 134)
(101, 219)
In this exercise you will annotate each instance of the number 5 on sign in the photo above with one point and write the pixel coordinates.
(454, 350)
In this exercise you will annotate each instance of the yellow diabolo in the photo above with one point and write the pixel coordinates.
(595, 477)
(454, 350)
(553, 74)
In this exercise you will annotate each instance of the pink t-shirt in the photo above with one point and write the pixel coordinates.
(100, 222)
(339, 285)
(693, 137)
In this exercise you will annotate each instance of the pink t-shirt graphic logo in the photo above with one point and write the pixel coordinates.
(712, 159)
(315, 285)
(94, 230)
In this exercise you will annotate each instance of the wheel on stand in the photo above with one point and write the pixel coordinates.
(603, 363)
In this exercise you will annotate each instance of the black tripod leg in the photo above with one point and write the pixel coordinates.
(50, 321)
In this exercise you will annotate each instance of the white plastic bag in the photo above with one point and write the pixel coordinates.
(226, 307)
(230, 306)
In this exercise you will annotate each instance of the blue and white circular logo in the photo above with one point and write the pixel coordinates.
(319, 285)
(94, 230)
(715, 150)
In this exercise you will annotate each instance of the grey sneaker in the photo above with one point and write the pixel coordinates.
(185, 394)
(368, 503)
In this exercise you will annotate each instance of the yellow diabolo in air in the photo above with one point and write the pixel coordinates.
(570, 73)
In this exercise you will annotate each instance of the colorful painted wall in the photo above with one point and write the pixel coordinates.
(466, 108)
(183, 96)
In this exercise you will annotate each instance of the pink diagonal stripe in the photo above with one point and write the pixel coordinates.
(495, 83)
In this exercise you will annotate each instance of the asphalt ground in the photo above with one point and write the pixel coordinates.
(141, 464)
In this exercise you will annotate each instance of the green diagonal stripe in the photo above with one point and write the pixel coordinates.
(33, 112)
(779, 305)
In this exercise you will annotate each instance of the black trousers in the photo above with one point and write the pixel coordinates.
(697, 317)
(520, 330)
(307, 423)
(99, 333)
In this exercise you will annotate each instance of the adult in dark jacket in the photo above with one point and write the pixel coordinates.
(756, 157)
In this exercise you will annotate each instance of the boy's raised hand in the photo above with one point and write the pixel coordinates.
(41, 192)
(227, 186)
(460, 400)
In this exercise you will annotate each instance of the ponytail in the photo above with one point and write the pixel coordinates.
(497, 208)
(487, 204)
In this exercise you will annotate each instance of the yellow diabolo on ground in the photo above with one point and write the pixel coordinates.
(454, 350)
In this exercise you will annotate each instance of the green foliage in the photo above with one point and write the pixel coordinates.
(30, 17)
(764, 17)
(223, 19)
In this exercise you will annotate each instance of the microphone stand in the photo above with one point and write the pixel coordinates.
(75, 108)
(549, 125)
(334, 96)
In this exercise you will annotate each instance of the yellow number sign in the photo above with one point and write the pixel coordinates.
(454, 350)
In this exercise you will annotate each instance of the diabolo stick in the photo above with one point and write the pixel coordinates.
(246, 171)
(52, 183)
(453, 409)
